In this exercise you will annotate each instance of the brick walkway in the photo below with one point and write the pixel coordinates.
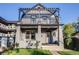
(53, 49)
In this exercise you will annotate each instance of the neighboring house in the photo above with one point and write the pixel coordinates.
(7, 32)
(75, 36)
(36, 26)
(75, 41)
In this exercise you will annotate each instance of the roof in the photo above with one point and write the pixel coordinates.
(12, 22)
(2, 19)
(76, 35)
(51, 10)
(7, 22)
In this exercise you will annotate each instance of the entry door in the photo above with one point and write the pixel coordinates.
(50, 39)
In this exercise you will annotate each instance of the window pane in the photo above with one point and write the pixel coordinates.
(33, 35)
(27, 32)
(27, 35)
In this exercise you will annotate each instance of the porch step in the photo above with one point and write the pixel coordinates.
(52, 47)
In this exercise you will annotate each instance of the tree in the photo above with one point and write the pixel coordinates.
(76, 25)
(68, 31)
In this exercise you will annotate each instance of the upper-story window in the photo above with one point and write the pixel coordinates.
(9, 26)
(33, 16)
(13, 26)
(44, 18)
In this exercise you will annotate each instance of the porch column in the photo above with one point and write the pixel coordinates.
(18, 34)
(39, 35)
(61, 42)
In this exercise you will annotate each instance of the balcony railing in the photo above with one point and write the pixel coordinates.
(38, 21)
(7, 35)
(6, 28)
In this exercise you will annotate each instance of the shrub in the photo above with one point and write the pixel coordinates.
(68, 31)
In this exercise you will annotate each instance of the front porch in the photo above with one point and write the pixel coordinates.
(48, 36)
(30, 35)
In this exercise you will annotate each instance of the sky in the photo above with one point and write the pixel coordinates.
(68, 12)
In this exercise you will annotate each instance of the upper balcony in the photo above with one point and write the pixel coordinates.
(4, 27)
(43, 20)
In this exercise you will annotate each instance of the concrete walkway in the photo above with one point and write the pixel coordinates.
(1, 50)
(53, 48)
(55, 53)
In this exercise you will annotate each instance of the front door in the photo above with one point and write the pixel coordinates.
(50, 39)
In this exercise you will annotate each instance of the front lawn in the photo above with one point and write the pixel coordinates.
(70, 52)
(27, 52)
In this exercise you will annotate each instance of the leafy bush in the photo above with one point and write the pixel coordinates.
(68, 31)
(68, 43)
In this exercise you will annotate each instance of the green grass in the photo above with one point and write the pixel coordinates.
(27, 52)
(70, 52)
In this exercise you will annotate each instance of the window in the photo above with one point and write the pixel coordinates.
(45, 18)
(13, 26)
(48, 34)
(9, 26)
(33, 16)
(54, 34)
(27, 35)
(33, 35)
(33, 21)
(30, 35)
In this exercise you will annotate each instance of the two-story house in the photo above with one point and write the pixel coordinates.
(37, 26)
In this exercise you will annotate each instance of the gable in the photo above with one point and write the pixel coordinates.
(38, 9)
(38, 6)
